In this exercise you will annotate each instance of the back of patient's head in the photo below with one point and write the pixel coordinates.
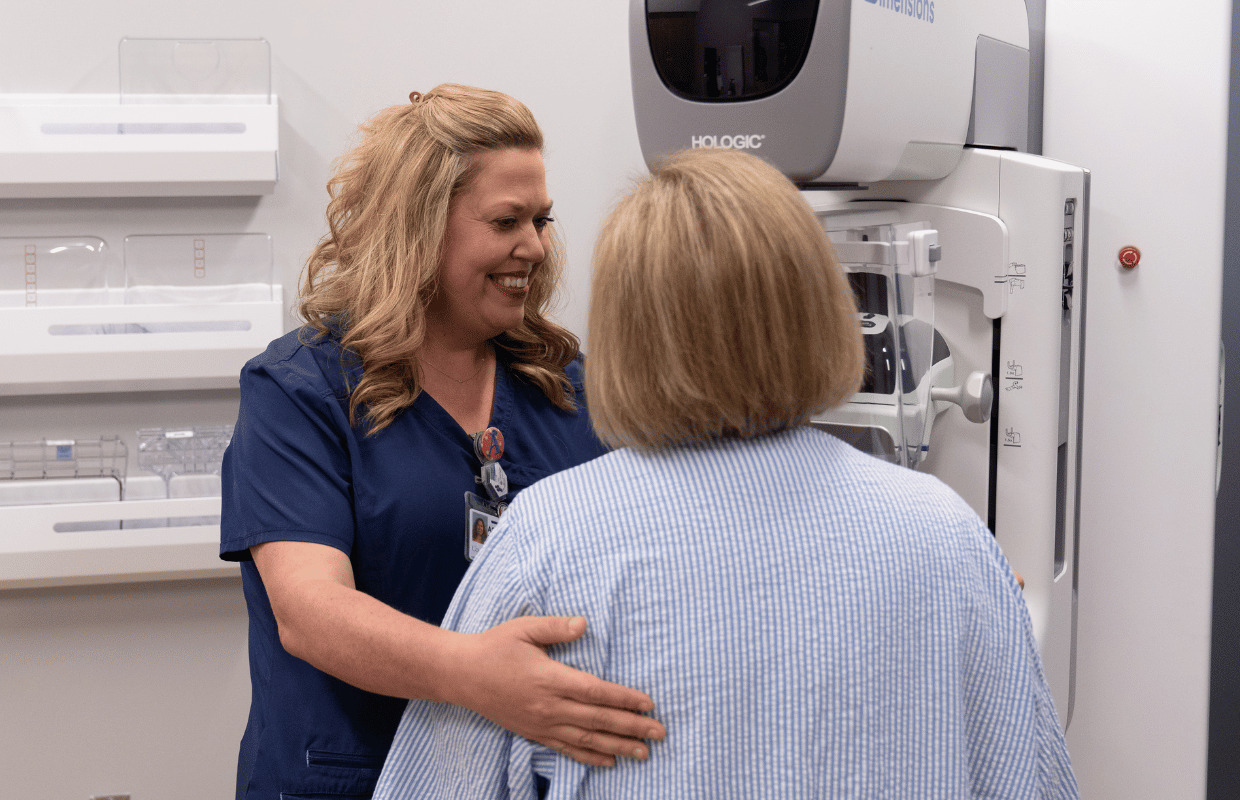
(718, 307)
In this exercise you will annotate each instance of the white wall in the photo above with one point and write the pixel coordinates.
(144, 688)
(1136, 91)
(138, 689)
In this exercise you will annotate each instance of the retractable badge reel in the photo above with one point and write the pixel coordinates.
(483, 515)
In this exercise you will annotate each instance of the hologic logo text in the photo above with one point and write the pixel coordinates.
(917, 9)
(742, 141)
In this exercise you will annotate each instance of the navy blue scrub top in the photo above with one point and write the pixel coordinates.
(394, 503)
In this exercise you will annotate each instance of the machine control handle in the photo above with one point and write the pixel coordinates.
(976, 396)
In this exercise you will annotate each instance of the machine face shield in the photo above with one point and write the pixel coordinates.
(723, 50)
(892, 279)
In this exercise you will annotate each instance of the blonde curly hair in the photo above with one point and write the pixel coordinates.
(375, 271)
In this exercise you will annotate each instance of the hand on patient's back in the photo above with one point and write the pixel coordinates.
(519, 687)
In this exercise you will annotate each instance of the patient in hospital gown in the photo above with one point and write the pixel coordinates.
(811, 622)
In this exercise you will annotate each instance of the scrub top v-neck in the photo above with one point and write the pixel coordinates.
(393, 502)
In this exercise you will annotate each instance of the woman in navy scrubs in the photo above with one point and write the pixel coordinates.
(425, 389)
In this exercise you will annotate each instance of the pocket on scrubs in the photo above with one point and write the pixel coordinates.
(344, 776)
(324, 758)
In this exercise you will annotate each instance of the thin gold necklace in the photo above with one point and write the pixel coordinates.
(426, 361)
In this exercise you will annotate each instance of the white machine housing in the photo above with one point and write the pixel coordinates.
(876, 90)
(1008, 303)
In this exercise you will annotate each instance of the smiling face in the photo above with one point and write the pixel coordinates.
(496, 237)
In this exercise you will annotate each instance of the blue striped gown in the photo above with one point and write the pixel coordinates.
(811, 623)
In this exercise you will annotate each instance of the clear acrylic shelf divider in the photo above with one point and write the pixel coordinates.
(71, 271)
(195, 71)
(214, 268)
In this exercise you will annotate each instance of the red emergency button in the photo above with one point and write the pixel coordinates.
(1129, 257)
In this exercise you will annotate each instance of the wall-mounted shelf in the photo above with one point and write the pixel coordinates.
(36, 549)
(70, 515)
(191, 117)
(96, 146)
(118, 348)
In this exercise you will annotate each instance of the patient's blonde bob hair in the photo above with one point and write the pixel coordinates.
(374, 273)
(718, 308)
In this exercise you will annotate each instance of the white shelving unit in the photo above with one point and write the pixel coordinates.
(97, 146)
(113, 348)
(37, 551)
(193, 118)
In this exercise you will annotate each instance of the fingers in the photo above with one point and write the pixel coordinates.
(543, 631)
(596, 692)
(588, 719)
(576, 714)
(595, 748)
(617, 722)
(592, 758)
(600, 744)
(606, 707)
(596, 742)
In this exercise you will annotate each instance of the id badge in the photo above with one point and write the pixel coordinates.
(481, 518)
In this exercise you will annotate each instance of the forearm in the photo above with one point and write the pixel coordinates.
(324, 620)
(502, 673)
(366, 643)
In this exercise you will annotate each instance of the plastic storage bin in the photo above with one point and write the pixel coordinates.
(68, 515)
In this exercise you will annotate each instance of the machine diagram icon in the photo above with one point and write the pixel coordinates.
(1014, 277)
(1013, 377)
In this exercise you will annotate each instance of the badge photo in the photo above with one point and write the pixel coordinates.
(481, 519)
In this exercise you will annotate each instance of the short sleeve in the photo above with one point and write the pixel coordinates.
(286, 474)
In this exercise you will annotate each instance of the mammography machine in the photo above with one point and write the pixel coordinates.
(905, 123)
